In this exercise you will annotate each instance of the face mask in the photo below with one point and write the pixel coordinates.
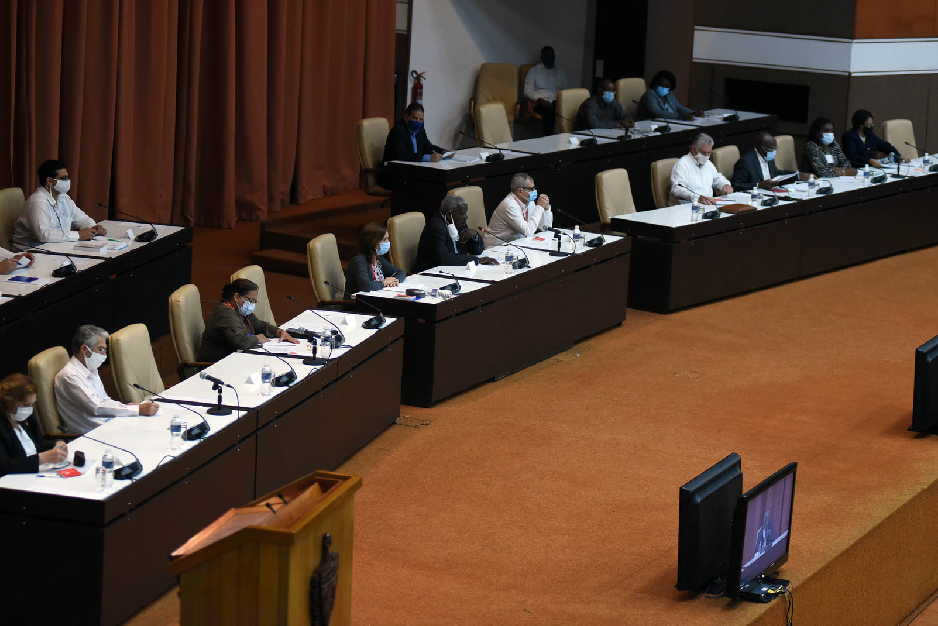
(414, 126)
(770, 155)
(453, 231)
(608, 97)
(701, 158)
(95, 361)
(23, 413)
(246, 308)
(827, 138)
(384, 247)
(62, 186)
(662, 91)
(532, 195)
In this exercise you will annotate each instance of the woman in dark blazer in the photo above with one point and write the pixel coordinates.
(861, 145)
(22, 448)
(370, 270)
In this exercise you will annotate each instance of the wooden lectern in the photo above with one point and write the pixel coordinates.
(285, 558)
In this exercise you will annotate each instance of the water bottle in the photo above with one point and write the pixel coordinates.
(267, 376)
(107, 463)
(867, 175)
(695, 212)
(577, 235)
(176, 427)
(925, 160)
(754, 198)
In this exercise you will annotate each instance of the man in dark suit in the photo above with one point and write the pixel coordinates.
(447, 238)
(408, 140)
(757, 168)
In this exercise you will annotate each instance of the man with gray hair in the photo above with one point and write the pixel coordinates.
(521, 214)
(694, 178)
(447, 238)
(80, 396)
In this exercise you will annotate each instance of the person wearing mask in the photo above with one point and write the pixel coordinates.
(447, 239)
(756, 168)
(862, 146)
(51, 215)
(659, 101)
(408, 140)
(10, 262)
(22, 449)
(522, 213)
(233, 326)
(822, 153)
(370, 269)
(80, 396)
(602, 110)
(541, 84)
(694, 177)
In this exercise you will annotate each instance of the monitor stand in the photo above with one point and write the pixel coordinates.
(763, 589)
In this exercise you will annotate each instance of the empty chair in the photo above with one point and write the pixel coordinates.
(404, 231)
(186, 326)
(497, 82)
(628, 92)
(492, 123)
(372, 135)
(474, 198)
(785, 158)
(661, 181)
(568, 105)
(901, 133)
(132, 361)
(724, 159)
(255, 274)
(12, 202)
(43, 368)
(613, 194)
(325, 270)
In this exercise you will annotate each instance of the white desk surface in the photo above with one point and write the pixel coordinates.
(41, 269)
(463, 158)
(714, 117)
(115, 230)
(551, 143)
(421, 281)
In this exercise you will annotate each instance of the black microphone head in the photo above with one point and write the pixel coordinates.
(128, 471)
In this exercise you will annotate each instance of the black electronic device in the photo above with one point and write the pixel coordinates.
(496, 156)
(453, 287)
(771, 200)
(78, 459)
(925, 390)
(192, 433)
(416, 293)
(372, 322)
(125, 472)
(825, 191)
(286, 379)
(65, 270)
(146, 236)
(520, 263)
(590, 141)
(595, 242)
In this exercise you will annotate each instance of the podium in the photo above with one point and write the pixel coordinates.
(285, 558)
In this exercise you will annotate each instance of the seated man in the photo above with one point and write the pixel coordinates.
(79, 393)
(602, 110)
(659, 102)
(408, 140)
(862, 146)
(757, 168)
(521, 214)
(541, 84)
(10, 262)
(51, 215)
(694, 177)
(447, 238)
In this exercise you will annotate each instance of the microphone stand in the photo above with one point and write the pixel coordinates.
(709, 215)
(193, 432)
(519, 264)
(339, 337)
(125, 472)
(558, 235)
(501, 154)
(218, 409)
(284, 380)
(146, 236)
(595, 242)
(453, 287)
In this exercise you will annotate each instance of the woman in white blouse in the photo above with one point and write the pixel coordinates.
(22, 448)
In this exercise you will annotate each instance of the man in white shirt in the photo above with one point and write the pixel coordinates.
(80, 396)
(541, 84)
(522, 213)
(51, 215)
(694, 177)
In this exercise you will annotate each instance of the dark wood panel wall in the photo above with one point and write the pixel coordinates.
(895, 19)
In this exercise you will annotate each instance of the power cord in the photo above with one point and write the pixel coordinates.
(790, 608)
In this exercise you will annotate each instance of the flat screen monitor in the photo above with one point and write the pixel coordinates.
(762, 529)
(925, 391)
(706, 505)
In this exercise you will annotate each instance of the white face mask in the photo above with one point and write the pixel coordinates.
(453, 231)
(23, 413)
(62, 186)
(702, 158)
(95, 361)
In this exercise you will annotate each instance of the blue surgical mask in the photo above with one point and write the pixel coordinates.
(662, 91)
(827, 138)
(384, 247)
(608, 97)
(770, 155)
(414, 126)
(532, 195)
(246, 308)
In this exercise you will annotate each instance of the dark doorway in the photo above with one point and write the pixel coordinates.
(620, 38)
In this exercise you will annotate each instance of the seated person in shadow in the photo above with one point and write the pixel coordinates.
(659, 101)
(447, 239)
(370, 269)
(602, 110)
(22, 448)
(756, 168)
(862, 146)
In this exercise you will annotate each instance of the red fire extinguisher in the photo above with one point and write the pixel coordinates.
(416, 92)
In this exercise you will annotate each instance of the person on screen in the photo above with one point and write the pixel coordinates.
(447, 239)
(10, 262)
(22, 448)
(756, 168)
(765, 535)
(659, 101)
(822, 153)
(370, 269)
(233, 325)
(51, 215)
(408, 140)
(80, 396)
(522, 213)
(861, 145)
(694, 177)
(541, 84)
(602, 110)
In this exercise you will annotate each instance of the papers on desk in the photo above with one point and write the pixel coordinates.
(427, 284)
(115, 243)
(41, 269)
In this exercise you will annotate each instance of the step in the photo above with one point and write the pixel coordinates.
(282, 261)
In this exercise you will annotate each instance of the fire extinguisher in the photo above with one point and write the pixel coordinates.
(416, 92)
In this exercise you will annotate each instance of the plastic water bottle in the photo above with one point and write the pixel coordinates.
(754, 197)
(176, 427)
(107, 463)
(925, 160)
(695, 212)
(577, 237)
(267, 377)
(867, 175)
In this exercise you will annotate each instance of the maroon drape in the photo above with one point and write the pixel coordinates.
(194, 111)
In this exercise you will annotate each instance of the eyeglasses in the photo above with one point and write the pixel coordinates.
(531, 188)
(251, 300)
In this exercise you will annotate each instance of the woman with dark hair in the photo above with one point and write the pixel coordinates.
(233, 326)
(370, 270)
(22, 449)
(822, 152)
(861, 145)
(659, 101)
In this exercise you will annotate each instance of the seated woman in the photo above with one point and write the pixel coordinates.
(22, 449)
(233, 326)
(822, 153)
(659, 101)
(370, 270)
(862, 146)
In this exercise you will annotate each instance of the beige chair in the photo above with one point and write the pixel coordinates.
(325, 270)
(724, 159)
(12, 202)
(786, 159)
(131, 355)
(473, 197)
(898, 132)
(405, 230)
(628, 92)
(492, 123)
(497, 82)
(568, 105)
(255, 274)
(372, 135)
(186, 327)
(613, 194)
(661, 181)
(42, 369)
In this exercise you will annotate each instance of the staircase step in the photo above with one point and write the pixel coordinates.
(283, 261)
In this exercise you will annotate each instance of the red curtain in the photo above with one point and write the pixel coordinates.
(192, 111)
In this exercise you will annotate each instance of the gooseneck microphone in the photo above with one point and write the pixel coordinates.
(286, 379)
(520, 263)
(501, 153)
(125, 472)
(146, 236)
(592, 141)
(595, 242)
(65, 270)
(559, 235)
(372, 322)
(217, 385)
(454, 287)
(193, 432)
(712, 214)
